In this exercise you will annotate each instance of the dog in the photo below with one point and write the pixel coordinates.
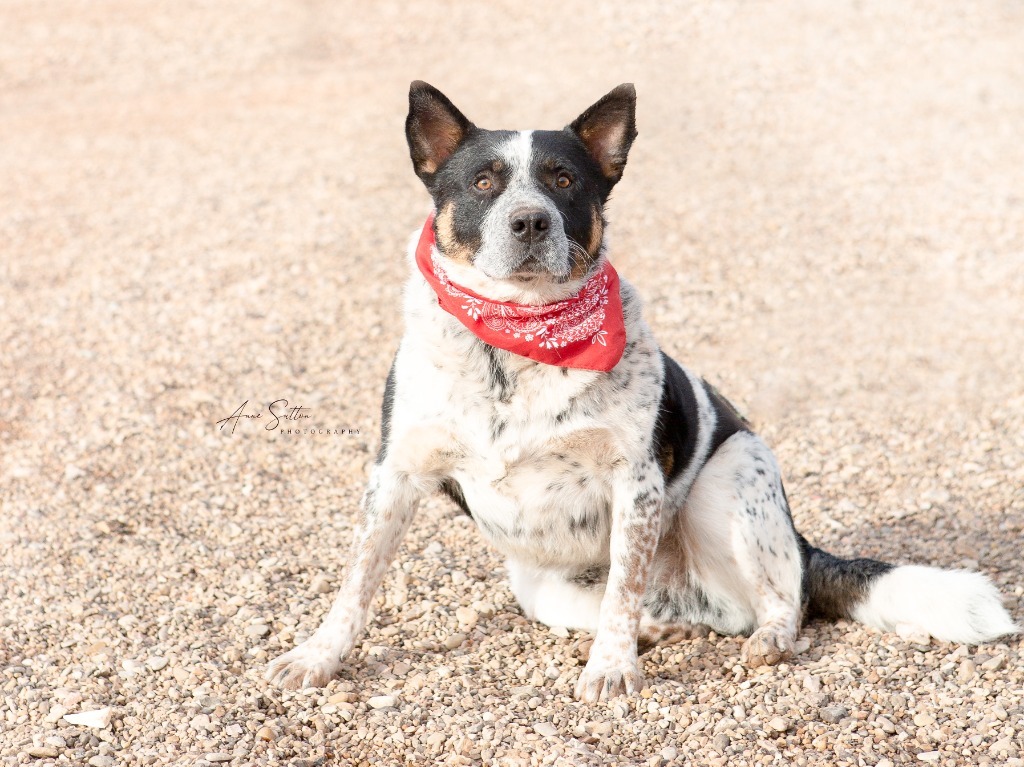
(628, 496)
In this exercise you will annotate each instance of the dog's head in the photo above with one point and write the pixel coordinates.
(519, 213)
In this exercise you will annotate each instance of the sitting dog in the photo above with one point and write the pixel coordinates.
(627, 495)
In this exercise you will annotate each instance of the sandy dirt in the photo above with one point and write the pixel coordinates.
(204, 204)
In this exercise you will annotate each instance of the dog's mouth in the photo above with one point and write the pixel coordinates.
(533, 269)
(529, 271)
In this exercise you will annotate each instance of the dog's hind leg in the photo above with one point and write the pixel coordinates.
(743, 559)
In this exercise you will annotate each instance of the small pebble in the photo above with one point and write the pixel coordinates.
(966, 671)
(218, 756)
(98, 718)
(779, 724)
(42, 752)
(834, 714)
(885, 725)
(545, 728)
(454, 641)
(382, 701)
(466, 616)
(102, 760)
(321, 585)
(924, 720)
(994, 663)
(257, 630)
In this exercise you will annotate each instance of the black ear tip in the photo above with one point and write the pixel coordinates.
(416, 87)
(626, 90)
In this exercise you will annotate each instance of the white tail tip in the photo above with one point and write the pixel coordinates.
(950, 605)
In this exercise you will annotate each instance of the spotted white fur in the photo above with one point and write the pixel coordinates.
(561, 470)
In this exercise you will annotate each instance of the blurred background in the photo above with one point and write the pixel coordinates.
(207, 203)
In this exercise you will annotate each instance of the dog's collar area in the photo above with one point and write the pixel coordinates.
(585, 331)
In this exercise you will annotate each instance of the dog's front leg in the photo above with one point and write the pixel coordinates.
(613, 668)
(388, 506)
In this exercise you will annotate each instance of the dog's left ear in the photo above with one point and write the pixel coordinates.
(434, 129)
(608, 128)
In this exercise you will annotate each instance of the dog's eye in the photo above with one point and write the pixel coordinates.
(483, 184)
(563, 181)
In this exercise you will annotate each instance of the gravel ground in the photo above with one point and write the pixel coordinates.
(203, 204)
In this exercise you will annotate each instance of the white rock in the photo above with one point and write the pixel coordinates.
(57, 712)
(1002, 746)
(929, 756)
(467, 616)
(382, 701)
(157, 662)
(218, 756)
(257, 630)
(101, 760)
(99, 718)
(545, 728)
(133, 667)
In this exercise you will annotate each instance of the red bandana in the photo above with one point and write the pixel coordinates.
(585, 331)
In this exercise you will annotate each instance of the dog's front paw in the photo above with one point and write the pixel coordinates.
(604, 678)
(313, 663)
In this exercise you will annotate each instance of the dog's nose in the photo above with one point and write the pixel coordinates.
(530, 225)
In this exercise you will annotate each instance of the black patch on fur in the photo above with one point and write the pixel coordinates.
(663, 605)
(675, 431)
(499, 380)
(453, 490)
(597, 575)
(832, 586)
(386, 408)
(688, 604)
(587, 522)
(729, 421)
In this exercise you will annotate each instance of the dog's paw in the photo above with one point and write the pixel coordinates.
(313, 663)
(767, 646)
(603, 679)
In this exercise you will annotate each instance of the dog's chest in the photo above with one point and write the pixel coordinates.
(534, 462)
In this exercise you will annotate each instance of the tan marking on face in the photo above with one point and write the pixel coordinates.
(581, 266)
(596, 232)
(444, 227)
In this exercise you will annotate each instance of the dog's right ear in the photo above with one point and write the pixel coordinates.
(434, 129)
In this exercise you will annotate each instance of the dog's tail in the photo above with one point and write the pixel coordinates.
(950, 605)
